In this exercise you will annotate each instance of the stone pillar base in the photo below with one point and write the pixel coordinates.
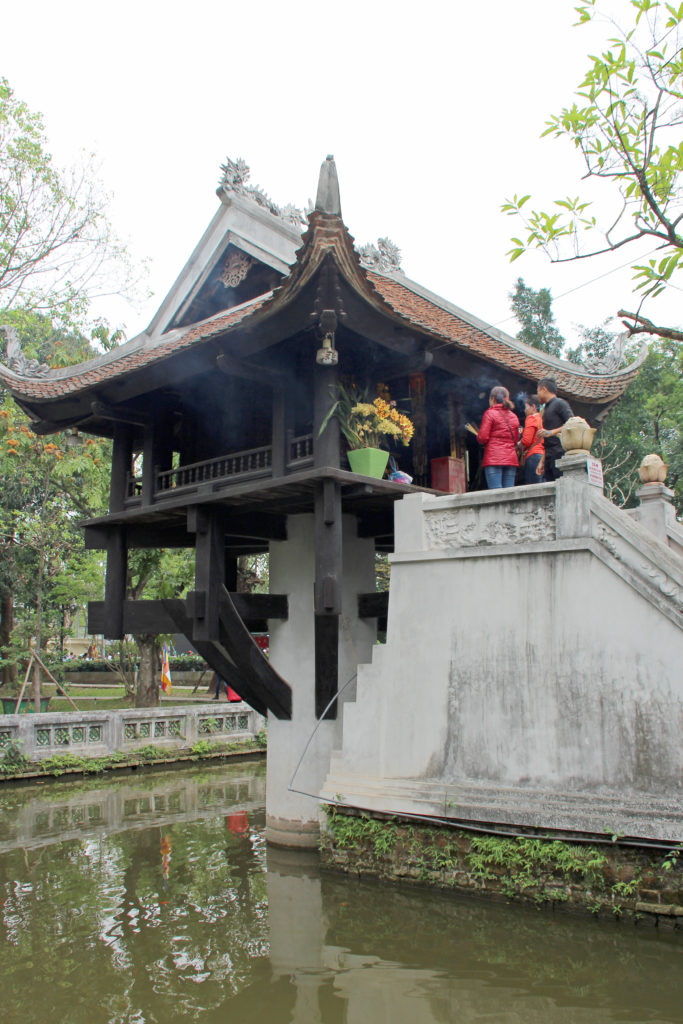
(292, 834)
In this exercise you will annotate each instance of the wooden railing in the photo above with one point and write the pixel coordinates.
(133, 489)
(253, 462)
(299, 450)
(249, 463)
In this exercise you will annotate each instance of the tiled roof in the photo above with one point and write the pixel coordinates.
(394, 296)
(495, 347)
(97, 371)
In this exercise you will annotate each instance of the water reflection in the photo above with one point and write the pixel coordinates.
(160, 905)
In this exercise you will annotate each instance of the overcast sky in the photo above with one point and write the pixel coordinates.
(432, 109)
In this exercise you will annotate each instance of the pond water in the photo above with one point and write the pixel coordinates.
(152, 900)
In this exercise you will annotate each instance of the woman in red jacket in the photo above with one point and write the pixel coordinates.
(499, 433)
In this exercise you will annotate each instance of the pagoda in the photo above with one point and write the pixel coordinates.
(215, 412)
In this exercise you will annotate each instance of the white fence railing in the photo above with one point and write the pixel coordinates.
(94, 733)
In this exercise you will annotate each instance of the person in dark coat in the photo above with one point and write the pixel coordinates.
(556, 412)
(499, 433)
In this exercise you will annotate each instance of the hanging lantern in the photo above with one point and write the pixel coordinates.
(327, 355)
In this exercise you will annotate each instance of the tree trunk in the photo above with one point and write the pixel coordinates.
(9, 672)
(147, 691)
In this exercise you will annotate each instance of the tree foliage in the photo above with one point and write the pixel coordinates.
(625, 123)
(648, 418)
(533, 310)
(57, 248)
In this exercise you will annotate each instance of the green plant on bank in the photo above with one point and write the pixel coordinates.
(13, 760)
(529, 863)
(542, 870)
(14, 764)
(203, 747)
(352, 832)
(150, 753)
(671, 859)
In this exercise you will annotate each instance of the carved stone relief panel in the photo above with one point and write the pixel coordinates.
(490, 525)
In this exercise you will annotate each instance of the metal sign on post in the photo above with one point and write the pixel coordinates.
(594, 470)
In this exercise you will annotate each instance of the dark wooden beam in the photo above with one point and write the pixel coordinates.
(237, 368)
(115, 584)
(376, 524)
(117, 414)
(258, 527)
(325, 445)
(154, 617)
(373, 606)
(209, 570)
(230, 571)
(326, 664)
(327, 591)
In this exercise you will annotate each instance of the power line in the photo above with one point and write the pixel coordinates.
(570, 291)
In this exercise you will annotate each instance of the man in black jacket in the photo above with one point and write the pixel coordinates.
(556, 412)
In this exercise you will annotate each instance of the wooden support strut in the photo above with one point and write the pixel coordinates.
(213, 654)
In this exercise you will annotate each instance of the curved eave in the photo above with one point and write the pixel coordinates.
(393, 296)
(129, 359)
(438, 318)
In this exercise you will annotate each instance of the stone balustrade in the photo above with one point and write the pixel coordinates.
(96, 733)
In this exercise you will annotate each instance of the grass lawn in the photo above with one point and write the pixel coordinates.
(104, 698)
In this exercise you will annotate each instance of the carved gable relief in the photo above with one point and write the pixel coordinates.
(490, 525)
(236, 268)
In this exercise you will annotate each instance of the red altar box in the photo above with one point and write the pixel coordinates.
(448, 474)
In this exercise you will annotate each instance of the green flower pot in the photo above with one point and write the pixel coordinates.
(368, 462)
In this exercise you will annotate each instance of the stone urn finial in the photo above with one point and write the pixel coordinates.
(652, 470)
(576, 435)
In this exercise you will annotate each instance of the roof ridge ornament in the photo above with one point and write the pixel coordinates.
(612, 361)
(234, 177)
(328, 200)
(16, 360)
(383, 257)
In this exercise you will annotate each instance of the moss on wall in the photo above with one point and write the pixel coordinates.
(608, 878)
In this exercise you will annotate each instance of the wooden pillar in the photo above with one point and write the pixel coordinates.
(230, 572)
(325, 445)
(156, 451)
(418, 404)
(279, 439)
(203, 602)
(327, 593)
(115, 583)
(122, 456)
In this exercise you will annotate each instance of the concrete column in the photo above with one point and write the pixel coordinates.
(297, 925)
(573, 496)
(292, 815)
(656, 511)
